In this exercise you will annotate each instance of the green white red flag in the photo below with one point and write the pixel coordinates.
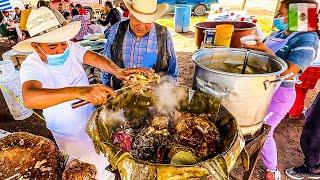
(303, 17)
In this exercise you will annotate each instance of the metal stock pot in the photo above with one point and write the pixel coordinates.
(246, 96)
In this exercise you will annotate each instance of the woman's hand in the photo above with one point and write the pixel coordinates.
(260, 46)
(95, 94)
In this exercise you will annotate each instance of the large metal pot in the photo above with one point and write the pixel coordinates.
(240, 29)
(246, 96)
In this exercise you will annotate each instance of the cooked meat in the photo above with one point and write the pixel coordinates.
(23, 155)
(122, 139)
(160, 122)
(77, 170)
(150, 146)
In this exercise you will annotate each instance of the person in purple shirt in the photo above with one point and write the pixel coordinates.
(139, 42)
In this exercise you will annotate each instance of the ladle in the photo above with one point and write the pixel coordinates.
(245, 62)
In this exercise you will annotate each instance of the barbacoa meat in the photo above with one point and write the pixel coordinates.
(151, 146)
(122, 139)
(157, 142)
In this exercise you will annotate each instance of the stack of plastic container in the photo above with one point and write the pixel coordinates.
(10, 86)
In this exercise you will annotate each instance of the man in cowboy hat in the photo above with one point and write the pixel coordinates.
(52, 79)
(139, 42)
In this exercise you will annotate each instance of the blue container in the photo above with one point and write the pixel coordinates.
(182, 17)
(196, 5)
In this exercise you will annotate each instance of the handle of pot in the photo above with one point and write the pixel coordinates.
(209, 88)
(281, 78)
(216, 93)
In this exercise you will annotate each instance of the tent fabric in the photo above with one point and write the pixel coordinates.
(10, 4)
(16, 3)
(5, 5)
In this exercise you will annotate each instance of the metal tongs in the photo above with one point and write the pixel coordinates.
(83, 102)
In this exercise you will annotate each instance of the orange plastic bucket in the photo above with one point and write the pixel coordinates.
(223, 35)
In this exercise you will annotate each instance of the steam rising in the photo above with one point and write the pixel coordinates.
(110, 117)
(168, 98)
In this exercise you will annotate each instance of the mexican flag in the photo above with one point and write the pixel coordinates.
(303, 17)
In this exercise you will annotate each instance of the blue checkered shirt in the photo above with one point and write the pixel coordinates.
(134, 51)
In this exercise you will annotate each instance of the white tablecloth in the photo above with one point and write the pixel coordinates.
(98, 28)
(235, 18)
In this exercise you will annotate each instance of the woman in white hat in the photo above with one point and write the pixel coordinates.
(52, 79)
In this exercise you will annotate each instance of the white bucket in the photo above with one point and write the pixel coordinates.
(10, 79)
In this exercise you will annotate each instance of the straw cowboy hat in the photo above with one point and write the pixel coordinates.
(146, 11)
(46, 26)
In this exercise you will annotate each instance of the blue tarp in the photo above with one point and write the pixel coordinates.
(5, 5)
(188, 2)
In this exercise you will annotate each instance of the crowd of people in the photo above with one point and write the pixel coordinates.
(53, 78)
(10, 23)
(109, 16)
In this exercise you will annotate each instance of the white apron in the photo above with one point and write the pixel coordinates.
(67, 124)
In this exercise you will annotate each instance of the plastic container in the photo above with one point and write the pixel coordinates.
(240, 29)
(182, 16)
(223, 35)
(249, 40)
(209, 35)
(10, 80)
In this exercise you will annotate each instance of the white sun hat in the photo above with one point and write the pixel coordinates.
(45, 27)
(146, 11)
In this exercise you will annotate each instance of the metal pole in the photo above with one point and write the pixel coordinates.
(277, 6)
(275, 11)
(244, 4)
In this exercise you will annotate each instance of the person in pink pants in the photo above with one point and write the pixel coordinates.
(298, 49)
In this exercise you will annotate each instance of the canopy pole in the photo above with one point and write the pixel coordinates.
(275, 11)
(277, 6)
(244, 4)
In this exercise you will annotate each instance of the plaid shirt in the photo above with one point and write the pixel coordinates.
(85, 29)
(135, 50)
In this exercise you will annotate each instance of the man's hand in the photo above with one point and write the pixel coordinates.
(95, 94)
(100, 62)
(124, 74)
(260, 46)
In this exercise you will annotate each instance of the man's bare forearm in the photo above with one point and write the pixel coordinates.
(40, 98)
(291, 68)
